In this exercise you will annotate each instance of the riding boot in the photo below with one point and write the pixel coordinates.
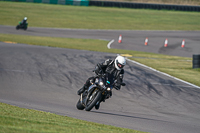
(86, 85)
(82, 90)
(97, 106)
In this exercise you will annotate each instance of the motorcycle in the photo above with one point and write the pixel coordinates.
(22, 26)
(97, 92)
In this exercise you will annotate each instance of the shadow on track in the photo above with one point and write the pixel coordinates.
(128, 116)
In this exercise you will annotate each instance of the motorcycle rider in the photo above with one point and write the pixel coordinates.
(24, 21)
(113, 67)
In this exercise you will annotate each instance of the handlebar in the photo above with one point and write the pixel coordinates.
(103, 74)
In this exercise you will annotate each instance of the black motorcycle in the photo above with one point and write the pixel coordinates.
(97, 92)
(22, 26)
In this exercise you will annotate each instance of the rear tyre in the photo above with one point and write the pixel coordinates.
(94, 101)
(79, 106)
(17, 27)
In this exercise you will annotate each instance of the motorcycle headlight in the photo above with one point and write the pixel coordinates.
(108, 89)
(101, 83)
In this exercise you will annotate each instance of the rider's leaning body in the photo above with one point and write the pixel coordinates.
(24, 21)
(113, 67)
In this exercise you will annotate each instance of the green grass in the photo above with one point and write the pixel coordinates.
(18, 120)
(87, 44)
(63, 16)
(177, 67)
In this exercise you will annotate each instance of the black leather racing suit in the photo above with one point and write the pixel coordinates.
(108, 67)
(23, 22)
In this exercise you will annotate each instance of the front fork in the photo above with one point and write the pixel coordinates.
(81, 98)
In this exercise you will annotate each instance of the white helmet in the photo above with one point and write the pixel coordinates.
(120, 62)
(25, 18)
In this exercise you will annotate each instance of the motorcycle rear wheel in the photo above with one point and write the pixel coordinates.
(94, 101)
(17, 27)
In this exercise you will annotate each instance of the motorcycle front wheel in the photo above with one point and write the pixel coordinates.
(92, 102)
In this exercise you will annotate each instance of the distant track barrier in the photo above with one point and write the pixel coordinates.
(144, 6)
(61, 2)
(115, 4)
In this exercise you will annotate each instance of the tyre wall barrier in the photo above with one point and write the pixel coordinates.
(62, 2)
(144, 6)
(196, 61)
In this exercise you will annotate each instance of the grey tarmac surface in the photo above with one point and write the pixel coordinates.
(131, 40)
(47, 79)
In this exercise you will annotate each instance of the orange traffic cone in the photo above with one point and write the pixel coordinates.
(166, 43)
(120, 39)
(183, 43)
(146, 41)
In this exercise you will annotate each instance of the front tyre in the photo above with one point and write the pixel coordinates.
(94, 101)
(25, 27)
(79, 106)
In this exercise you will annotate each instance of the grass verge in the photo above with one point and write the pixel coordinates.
(19, 120)
(180, 67)
(63, 16)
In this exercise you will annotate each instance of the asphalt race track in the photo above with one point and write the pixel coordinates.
(131, 40)
(45, 78)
